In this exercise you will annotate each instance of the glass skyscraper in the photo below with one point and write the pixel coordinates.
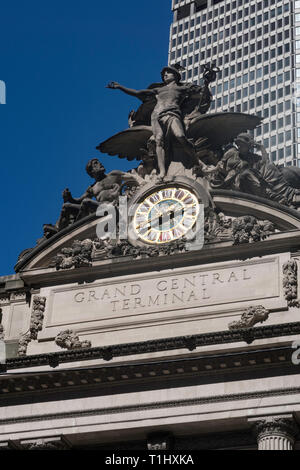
(256, 44)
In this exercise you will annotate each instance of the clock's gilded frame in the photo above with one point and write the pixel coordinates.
(191, 185)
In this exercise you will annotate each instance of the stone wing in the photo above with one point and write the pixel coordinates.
(128, 143)
(221, 128)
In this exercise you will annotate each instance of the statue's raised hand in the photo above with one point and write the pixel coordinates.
(67, 196)
(258, 145)
(113, 85)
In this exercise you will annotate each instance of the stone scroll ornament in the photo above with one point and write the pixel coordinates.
(68, 339)
(290, 283)
(36, 324)
(251, 316)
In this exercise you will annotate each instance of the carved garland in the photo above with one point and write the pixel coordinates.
(80, 254)
(290, 283)
(248, 229)
(241, 230)
(124, 248)
(36, 324)
(46, 444)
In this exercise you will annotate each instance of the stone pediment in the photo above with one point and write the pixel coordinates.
(230, 206)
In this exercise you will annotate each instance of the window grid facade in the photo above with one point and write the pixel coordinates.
(256, 44)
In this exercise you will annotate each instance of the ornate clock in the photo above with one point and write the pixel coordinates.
(165, 215)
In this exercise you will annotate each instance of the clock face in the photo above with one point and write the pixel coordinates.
(166, 215)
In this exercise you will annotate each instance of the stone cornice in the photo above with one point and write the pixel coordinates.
(247, 335)
(111, 378)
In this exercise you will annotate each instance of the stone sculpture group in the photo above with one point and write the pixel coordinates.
(172, 135)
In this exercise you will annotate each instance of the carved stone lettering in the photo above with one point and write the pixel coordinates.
(197, 287)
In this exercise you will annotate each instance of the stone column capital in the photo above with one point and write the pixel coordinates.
(275, 432)
(284, 425)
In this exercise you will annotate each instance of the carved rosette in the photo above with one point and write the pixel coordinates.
(69, 340)
(290, 283)
(251, 316)
(36, 324)
(276, 433)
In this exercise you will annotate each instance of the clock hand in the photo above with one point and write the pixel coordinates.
(171, 209)
(142, 225)
(166, 212)
(157, 210)
(150, 223)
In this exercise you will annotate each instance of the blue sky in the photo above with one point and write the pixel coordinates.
(56, 58)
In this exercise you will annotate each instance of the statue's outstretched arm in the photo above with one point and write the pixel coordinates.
(122, 175)
(140, 94)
